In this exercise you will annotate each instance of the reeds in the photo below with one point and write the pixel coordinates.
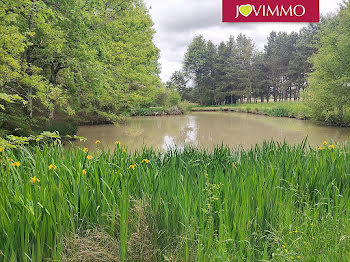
(274, 202)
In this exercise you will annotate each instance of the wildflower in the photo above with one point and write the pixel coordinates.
(52, 167)
(97, 142)
(84, 172)
(284, 246)
(331, 147)
(325, 143)
(234, 165)
(276, 240)
(17, 164)
(286, 250)
(37, 140)
(132, 166)
(89, 157)
(1, 149)
(117, 143)
(291, 257)
(124, 150)
(39, 188)
(298, 257)
(34, 179)
(320, 148)
(145, 161)
(85, 150)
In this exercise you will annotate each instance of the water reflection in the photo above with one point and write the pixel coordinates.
(208, 129)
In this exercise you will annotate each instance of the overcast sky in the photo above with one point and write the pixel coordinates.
(178, 21)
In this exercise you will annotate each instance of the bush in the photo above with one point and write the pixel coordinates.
(162, 97)
(174, 98)
(186, 106)
(167, 97)
(278, 111)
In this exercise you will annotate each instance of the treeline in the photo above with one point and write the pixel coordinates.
(236, 70)
(313, 64)
(85, 61)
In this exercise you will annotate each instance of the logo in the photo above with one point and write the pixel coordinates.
(245, 10)
(271, 11)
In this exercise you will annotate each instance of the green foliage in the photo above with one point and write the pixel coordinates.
(166, 97)
(270, 203)
(279, 109)
(234, 70)
(174, 98)
(186, 106)
(162, 97)
(279, 112)
(178, 82)
(93, 60)
(329, 94)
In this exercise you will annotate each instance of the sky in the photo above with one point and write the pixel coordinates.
(177, 21)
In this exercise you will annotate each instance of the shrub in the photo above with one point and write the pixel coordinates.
(174, 98)
(162, 97)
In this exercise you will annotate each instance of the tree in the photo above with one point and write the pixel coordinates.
(328, 96)
(280, 51)
(245, 48)
(72, 60)
(209, 79)
(194, 63)
(260, 83)
(178, 81)
(234, 70)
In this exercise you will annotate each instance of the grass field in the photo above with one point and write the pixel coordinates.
(274, 202)
(278, 109)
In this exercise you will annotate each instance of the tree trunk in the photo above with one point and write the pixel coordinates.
(275, 94)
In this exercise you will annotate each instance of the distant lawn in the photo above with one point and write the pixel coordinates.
(278, 109)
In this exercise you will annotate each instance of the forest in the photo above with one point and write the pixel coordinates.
(310, 66)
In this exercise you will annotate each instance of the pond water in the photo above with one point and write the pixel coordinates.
(207, 130)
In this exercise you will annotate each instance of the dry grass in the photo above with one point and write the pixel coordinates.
(97, 245)
(91, 246)
(142, 245)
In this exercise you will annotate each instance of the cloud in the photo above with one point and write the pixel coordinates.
(178, 21)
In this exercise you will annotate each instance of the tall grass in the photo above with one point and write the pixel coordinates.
(274, 202)
(278, 109)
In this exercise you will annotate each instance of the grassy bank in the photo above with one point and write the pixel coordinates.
(179, 109)
(279, 109)
(272, 203)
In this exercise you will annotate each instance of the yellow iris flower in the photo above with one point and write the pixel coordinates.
(145, 161)
(52, 167)
(34, 179)
(17, 164)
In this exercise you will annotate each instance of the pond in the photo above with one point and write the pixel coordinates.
(207, 130)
